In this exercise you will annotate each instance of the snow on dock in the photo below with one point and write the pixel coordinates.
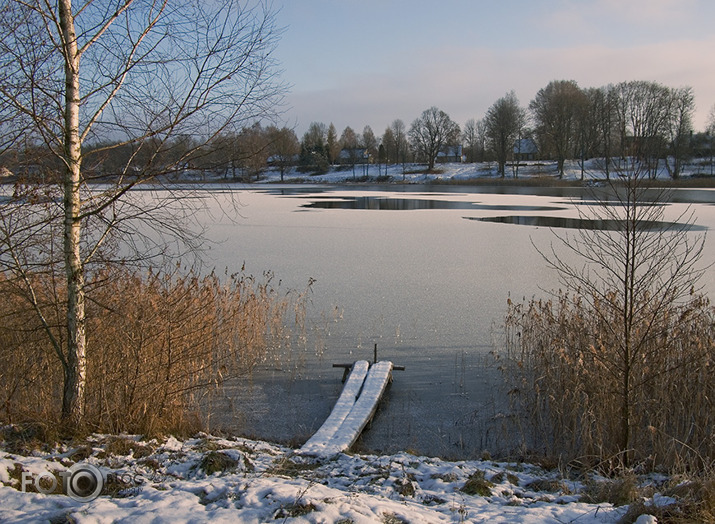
(341, 410)
(352, 411)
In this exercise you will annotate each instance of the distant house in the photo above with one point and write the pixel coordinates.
(356, 155)
(644, 145)
(285, 160)
(450, 154)
(525, 149)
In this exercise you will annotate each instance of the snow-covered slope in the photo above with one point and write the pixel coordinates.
(168, 481)
(415, 173)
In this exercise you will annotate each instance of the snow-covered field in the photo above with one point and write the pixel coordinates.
(170, 481)
(459, 172)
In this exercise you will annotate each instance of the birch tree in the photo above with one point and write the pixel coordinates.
(142, 76)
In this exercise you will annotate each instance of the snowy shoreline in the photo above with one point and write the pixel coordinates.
(449, 173)
(168, 480)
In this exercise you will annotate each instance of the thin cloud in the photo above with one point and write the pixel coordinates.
(594, 43)
(648, 11)
(465, 82)
(600, 18)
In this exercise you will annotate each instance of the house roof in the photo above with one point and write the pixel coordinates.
(451, 151)
(349, 153)
(525, 146)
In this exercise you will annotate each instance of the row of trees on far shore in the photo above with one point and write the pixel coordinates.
(647, 120)
(643, 119)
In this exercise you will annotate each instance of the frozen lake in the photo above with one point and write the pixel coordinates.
(424, 272)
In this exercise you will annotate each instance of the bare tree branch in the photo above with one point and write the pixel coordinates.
(135, 75)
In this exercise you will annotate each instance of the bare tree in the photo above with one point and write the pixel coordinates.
(679, 128)
(555, 110)
(284, 147)
(316, 136)
(431, 132)
(369, 141)
(644, 115)
(314, 149)
(253, 143)
(351, 145)
(603, 104)
(503, 124)
(389, 144)
(474, 138)
(394, 141)
(636, 279)
(399, 131)
(710, 131)
(134, 73)
(332, 143)
(349, 139)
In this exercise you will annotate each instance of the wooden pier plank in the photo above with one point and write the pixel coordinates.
(362, 411)
(342, 408)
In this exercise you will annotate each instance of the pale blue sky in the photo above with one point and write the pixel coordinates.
(358, 62)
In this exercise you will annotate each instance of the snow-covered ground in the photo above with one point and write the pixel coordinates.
(415, 173)
(170, 481)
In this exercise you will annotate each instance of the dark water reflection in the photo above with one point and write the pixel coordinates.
(383, 203)
(583, 223)
(376, 203)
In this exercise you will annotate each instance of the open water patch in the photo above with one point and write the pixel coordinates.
(585, 223)
(376, 203)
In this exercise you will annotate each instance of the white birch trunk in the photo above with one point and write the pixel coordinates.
(75, 369)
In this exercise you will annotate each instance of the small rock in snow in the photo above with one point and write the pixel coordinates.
(172, 444)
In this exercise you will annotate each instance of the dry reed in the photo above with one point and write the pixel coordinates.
(158, 343)
(565, 376)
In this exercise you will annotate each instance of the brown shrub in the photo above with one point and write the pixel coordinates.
(565, 372)
(158, 344)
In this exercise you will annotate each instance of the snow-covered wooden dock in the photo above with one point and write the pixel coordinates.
(352, 411)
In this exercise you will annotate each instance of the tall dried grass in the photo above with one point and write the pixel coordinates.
(565, 376)
(158, 343)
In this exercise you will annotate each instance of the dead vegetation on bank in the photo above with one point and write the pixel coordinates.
(160, 343)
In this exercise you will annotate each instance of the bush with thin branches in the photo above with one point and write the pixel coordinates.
(565, 381)
(620, 366)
